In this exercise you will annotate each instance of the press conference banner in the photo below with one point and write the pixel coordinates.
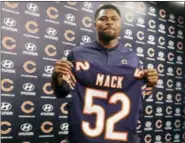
(36, 34)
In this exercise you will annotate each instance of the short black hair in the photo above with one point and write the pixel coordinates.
(106, 6)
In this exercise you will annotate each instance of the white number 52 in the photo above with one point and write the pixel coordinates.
(99, 111)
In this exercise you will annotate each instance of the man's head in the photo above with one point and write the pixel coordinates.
(107, 22)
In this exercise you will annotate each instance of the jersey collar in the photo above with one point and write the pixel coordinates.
(98, 46)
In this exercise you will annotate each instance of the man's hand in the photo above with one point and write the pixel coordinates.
(152, 76)
(63, 69)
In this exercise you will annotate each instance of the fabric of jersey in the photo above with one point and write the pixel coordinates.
(86, 79)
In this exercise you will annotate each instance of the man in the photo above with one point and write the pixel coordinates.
(106, 50)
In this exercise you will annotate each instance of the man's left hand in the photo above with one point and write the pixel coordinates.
(152, 76)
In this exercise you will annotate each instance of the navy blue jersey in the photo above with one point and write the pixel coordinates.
(105, 103)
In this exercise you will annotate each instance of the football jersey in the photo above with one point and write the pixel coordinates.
(105, 103)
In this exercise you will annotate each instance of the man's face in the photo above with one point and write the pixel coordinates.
(108, 24)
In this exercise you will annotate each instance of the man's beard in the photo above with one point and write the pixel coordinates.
(105, 37)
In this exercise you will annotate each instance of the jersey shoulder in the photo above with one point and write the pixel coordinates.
(79, 50)
(85, 46)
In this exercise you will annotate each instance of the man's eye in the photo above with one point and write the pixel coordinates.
(114, 19)
(102, 19)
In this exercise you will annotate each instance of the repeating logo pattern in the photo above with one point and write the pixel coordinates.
(48, 31)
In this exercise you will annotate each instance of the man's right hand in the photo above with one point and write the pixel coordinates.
(63, 68)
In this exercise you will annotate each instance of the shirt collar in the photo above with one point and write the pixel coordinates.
(98, 46)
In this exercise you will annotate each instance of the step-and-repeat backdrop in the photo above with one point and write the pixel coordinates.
(36, 34)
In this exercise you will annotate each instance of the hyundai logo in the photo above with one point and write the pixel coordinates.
(178, 84)
(159, 110)
(162, 27)
(161, 54)
(170, 69)
(26, 127)
(150, 66)
(168, 123)
(152, 10)
(30, 47)
(49, 69)
(140, 20)
(169, 97)
(177, 110)
(172, 16)
(47, 107)
(180, 32)
(9, 22)
(64, 127)
(177, 136)
(86, 39)
(179, 58)
(70, 17)
(51, 31)
(28, 87)
(128, 32)
(5, 106)
(151, 38)
(148, 124)
(87, 5)
(139, 50)
(171, 43)
(7, 64)
(158, 138)
(160, 82)
(66, 52)
(32, 7)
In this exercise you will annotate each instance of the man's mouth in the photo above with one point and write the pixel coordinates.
(109, 29)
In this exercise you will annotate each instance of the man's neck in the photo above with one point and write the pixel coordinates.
(109, 44)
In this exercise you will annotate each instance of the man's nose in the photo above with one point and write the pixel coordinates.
(109, 22)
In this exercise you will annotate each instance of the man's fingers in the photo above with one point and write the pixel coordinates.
(151, 69)
(62, 64)
(61, 71)
(64, 61)
(152, 74)
(62, 68)
(152, 82)
(73, 84)
(65, 69)
(145, 71)
(68, 62)
(73, 77)
(153, 78)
